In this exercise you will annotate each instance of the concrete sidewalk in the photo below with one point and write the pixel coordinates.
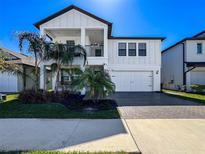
(65, 135)
(169, 136)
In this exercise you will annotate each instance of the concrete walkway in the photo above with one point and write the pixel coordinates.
(65, 135)
(172, 136)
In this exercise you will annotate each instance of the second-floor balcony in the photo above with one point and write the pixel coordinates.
(94, 50)
(92, 39)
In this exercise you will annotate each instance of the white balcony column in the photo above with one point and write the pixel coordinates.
(82, 38)
(54, 78)
(105, 43)
(42, 76)
(42, 32)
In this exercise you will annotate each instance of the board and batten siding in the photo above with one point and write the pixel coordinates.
(191, 51)
(151, 63)
(153, 57)
(172, 67)
(73, 19)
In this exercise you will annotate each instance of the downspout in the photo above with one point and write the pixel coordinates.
(184, 74)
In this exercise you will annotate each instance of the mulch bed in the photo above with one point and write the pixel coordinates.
(91, 106)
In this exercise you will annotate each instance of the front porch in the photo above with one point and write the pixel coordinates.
(49, 80)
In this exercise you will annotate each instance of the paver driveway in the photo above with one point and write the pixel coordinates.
(157, 106)
(162, 124)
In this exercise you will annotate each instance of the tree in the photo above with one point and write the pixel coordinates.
(6, 66)
(98, 83)
(36, 45)
(62, 55)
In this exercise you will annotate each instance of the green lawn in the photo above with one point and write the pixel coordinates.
(189, 96)
(55, 152)
(11, 97)
(12, 108)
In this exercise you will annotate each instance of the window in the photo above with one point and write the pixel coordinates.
(70, 43)
(132, 49)
(199, 48)
(65, 76)
(142, 49)
(122, 49)
(98, 53)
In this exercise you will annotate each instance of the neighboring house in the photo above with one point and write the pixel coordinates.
(12, 82)
(134, 63)
(184, 63)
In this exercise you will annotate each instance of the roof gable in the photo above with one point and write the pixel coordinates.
(67, 9)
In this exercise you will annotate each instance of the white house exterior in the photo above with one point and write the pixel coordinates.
(12, 83)
(184, 63)
(134, 63)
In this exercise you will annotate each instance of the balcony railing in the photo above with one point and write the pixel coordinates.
(95, 50)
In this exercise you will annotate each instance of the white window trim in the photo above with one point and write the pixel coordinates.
(138, 48)
(118, 48)
(128, 49)
(197, 48)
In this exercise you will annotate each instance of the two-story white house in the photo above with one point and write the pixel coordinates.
(184, 63)
(134, 63)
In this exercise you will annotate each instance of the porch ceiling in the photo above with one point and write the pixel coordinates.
(95, 36)
(195, 64)
(63, 32)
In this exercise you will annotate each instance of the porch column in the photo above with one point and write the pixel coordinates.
(105, 43)
(82, 38)
(188, 80)
(54, 78)
(42, 32)
(42, 76)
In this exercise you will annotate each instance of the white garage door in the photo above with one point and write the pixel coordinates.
(133, 81)
(8, 82)
(198, 78)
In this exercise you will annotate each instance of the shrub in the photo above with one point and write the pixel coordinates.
(198, 88)
(38, 97)
(32, 97)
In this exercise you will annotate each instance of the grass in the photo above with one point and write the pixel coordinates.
(184, 95)
(11, 97)
(13, 108)
(57, 152)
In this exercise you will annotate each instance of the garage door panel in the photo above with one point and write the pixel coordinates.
(8, 82)
(198, 78)
(133, 80)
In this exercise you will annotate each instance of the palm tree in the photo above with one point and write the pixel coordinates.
(36, 45)
(98, 83)
(62, 55)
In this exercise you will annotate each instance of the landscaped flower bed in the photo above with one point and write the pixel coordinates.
(15, 108)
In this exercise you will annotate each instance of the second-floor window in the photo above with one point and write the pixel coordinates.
(70, 43)
(98, 52)
(132, 49)
(142, 49)
(122, 49)
(199, 48)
